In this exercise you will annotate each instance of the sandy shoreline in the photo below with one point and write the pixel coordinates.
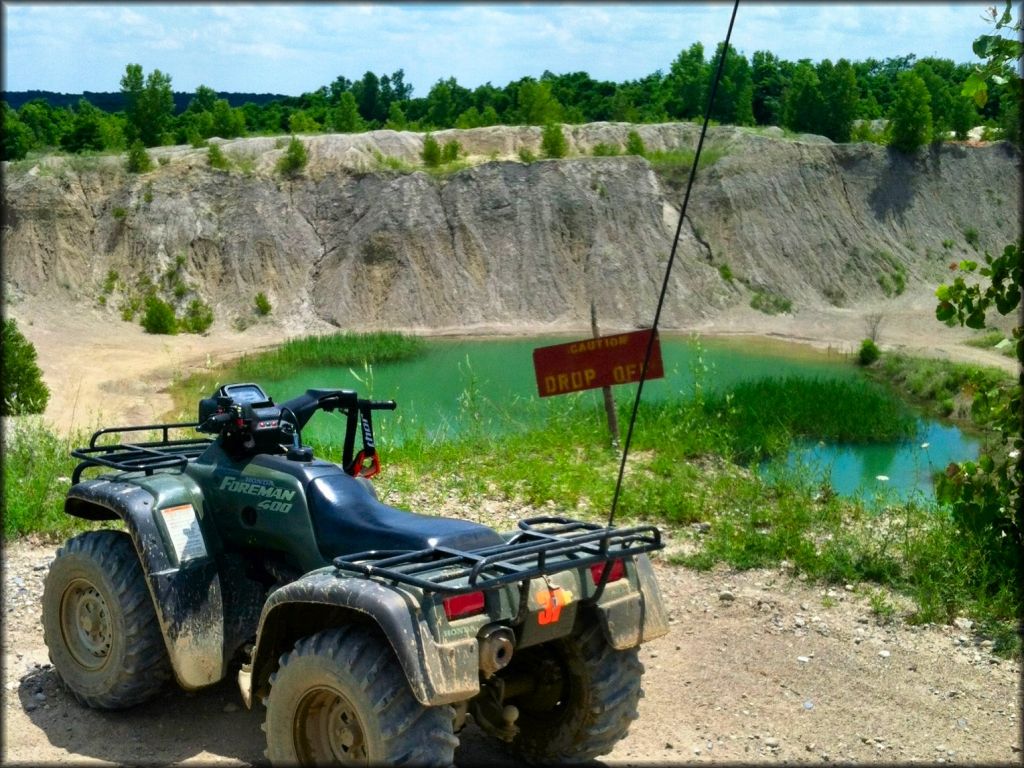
(101, 369)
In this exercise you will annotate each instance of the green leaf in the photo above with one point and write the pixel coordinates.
(976, 319)
(1008, 301)
(976, 88)
(968, 266)
(942, 294)
(986, 463)
(945, 312)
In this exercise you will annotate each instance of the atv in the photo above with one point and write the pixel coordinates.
(369, 633)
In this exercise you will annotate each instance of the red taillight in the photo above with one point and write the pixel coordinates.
(617, 569)
(460, 606)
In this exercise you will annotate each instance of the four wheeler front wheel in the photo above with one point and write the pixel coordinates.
(99, 624)
(340, 696)
(583, 700)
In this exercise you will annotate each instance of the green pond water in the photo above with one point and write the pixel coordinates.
(494, 378)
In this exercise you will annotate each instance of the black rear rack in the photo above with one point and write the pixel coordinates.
(542, 546)
(140, 457)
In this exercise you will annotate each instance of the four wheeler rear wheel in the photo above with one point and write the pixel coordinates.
(584, 699)
(340, 696)
(99, 624)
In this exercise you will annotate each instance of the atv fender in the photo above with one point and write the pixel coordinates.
(438, 673)
(187, 598)
(638, 615)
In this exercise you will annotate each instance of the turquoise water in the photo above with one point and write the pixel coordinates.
(494, 379)
(886, 471)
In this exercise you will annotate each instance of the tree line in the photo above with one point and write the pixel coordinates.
(921, 98)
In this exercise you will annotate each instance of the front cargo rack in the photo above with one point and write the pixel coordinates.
(140, 457)
(543, 546)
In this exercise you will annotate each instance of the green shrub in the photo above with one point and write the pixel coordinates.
(294, 158)
(450, 151)
(947, 244)
(138, 159)
(725, 272)
(216, 158)
(770, 303)
(605, 150)
(634, 144)
(37, 465)
(552, 141)
(869, 352)
(159, 316)
(198, 317)
(118, 212)
(431, 152)
(971, 236)
(526, 155)
(262, 304)
(24, 390)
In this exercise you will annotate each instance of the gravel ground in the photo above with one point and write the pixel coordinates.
(758, 667)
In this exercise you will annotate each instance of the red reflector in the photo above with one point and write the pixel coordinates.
(460, 606)
(617, 570)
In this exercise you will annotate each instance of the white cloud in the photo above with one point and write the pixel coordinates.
(295, 48)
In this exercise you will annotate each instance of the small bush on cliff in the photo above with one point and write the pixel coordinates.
(216, 158)
(634, 144)
(262, 304)
(23, 388)
(450, 151)
(294, 158)
(552, 141)
(431, 152)
(198, 317)
(138, 159)
(159, 317)
(770, 303)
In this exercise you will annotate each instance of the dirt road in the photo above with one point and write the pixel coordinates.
(758, 667)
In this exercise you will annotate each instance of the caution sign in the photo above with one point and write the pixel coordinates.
(592, 363)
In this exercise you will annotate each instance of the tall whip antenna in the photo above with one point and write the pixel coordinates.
(668, 267)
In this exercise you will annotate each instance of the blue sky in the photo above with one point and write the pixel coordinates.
(295, 48)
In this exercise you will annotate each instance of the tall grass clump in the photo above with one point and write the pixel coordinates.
(762, 417)
(37, 474)
(673, 165)
(331, 350)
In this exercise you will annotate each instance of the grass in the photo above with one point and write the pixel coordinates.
(987, 340)
(990, 339)
(37, 472)
(932, 383)
(761, 418)
(674, 165)
(770, 303)
(339, 349)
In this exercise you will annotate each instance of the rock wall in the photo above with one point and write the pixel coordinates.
(352, 244)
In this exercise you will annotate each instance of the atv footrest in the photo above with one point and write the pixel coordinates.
(542, 546)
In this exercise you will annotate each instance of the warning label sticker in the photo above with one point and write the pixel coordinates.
(183, 528)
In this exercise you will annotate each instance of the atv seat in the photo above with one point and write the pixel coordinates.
(348, 519)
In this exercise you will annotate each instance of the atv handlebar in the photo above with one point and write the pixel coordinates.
(313, 400)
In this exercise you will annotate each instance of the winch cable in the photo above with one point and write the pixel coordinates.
(668, 267)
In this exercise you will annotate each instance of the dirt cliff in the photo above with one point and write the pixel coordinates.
(361, 239)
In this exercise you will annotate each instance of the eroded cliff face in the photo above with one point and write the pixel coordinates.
(351, 244)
